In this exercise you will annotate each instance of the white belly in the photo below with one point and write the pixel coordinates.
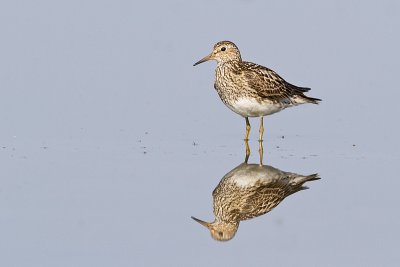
(248, 107)
(249, 175)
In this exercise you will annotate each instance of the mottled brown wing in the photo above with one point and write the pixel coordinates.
(268, 84)
(262, 200)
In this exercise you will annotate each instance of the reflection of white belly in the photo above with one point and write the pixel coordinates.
(248, 175)
(248, 107)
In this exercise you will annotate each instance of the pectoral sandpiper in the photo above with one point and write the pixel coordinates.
(248, 191)
(251, 90)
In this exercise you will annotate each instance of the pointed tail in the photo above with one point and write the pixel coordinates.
(311, 99)
(299, 92)
(297, 182)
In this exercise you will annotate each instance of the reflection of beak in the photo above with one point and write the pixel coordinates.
(206, 224)
(203, 59)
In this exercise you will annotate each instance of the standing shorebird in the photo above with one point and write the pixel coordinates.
(251, 90)
(248, 191)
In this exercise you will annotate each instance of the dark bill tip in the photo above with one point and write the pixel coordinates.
(202, 60)
(200, 221)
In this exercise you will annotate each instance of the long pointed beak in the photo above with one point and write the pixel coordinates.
(203, 60)
(206, 224)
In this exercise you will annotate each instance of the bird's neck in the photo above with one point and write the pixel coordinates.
(227, 223)
(224, 68)
(223, 215)
(228, 62)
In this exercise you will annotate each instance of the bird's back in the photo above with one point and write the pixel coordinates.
(238, 79)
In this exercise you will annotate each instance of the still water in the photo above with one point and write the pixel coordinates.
(110, 140)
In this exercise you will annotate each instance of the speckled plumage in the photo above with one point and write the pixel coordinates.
(249, 89)
(248, 191)
(241, 79)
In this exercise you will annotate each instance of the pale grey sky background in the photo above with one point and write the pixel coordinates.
(100, 107)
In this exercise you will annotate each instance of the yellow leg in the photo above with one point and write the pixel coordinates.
(248, 127)
(247, 151)
(261, 129)
(261, 152)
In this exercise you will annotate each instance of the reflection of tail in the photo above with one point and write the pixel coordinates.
(297, 182)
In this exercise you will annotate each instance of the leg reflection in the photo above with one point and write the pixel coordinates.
(248, 127)
(246, 142)
(261, 151)
(261, 131)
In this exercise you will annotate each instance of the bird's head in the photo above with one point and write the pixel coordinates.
(220, 231)
(223, 51)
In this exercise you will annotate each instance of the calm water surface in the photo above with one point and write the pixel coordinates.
(110, 140)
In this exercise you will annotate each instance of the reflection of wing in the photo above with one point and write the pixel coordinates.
(267, 83)
(263, 199)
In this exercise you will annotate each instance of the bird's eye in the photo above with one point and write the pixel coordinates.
(223, 48)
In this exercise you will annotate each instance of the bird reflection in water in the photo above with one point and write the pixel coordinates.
(248, 191)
